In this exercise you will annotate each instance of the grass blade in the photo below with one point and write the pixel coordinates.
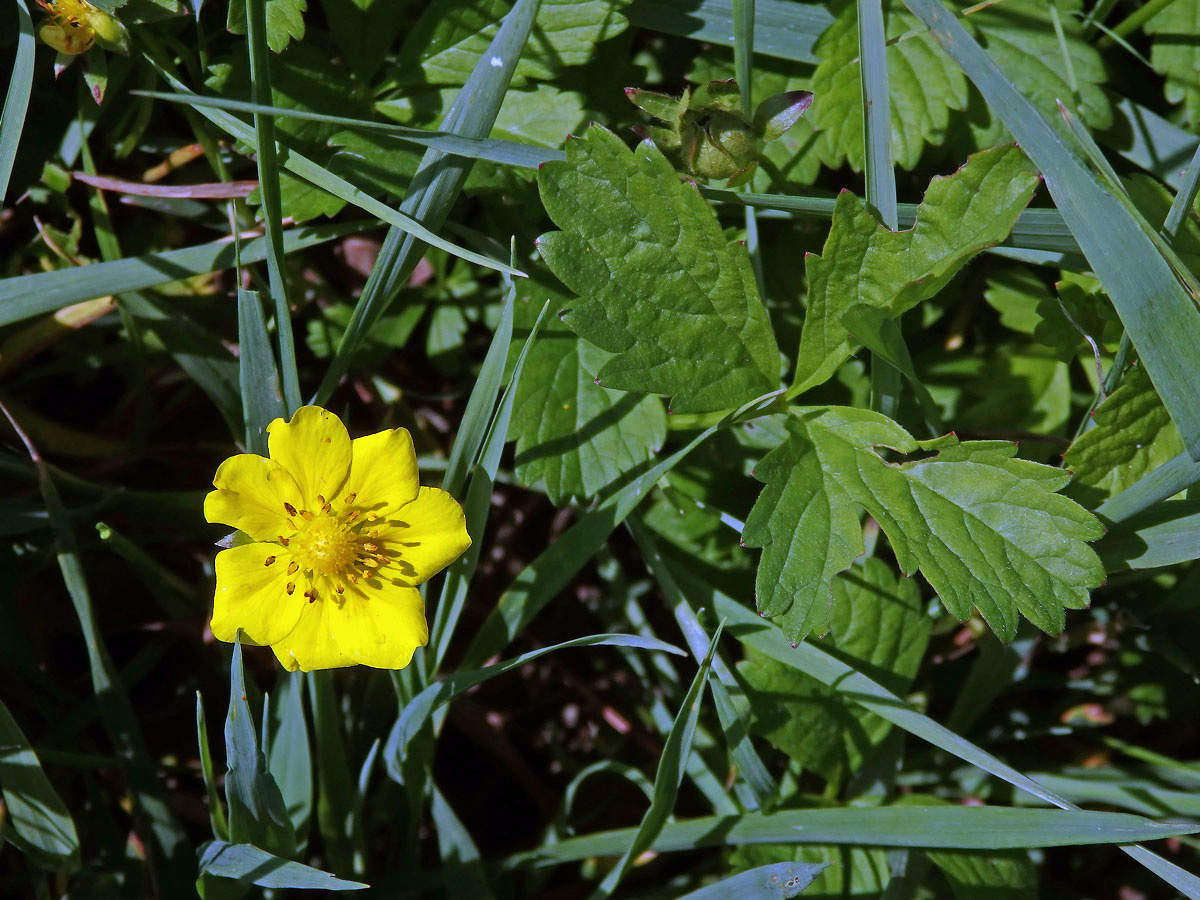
(781, 29)
(168, 845)
(258, 378)
(668, 778)
(26, 296)
(16, 101)
(440, 178)
(323, 178)
(272, 204)
(506, 153)
(1162, 320)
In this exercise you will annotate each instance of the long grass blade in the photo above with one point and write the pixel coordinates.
(272, 204)
(437, 183)
(16, 101)
(1162, 320)
(26, 296)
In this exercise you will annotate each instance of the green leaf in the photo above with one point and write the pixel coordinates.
(289, 756)
(849, 872)
(878, 623)
(660, 285)
(257, 814)
(574, 436)
(250, 865)
(1175, 54)
(452, 35)
(285, 21)
(985, 529)
(863, 262)
(38, 822)
(776, 880)
(920, 101)
(1133, 436)
(1163, 535)
(1008, 875)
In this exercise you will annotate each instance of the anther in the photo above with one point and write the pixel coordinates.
(370, 548)
(353, 515)
(293, 567)
(327, 507)
(340, 589)
(353, 578)
(283, 540)
(306, 515)
(350, 498)
(321, 501)
(268, 561)
(371, 517)
(369, 563)
(291, 588)
(291, 510)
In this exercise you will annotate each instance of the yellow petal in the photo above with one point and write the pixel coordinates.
(424, 537)
(250, 494)
(383, 471)
(377, 626)
(252, 595)
(315, 448)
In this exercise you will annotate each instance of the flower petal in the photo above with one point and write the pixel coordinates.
(379, 626)
(252, 595)
(383, 471)
(315, 448)
(250, 495)
(424, 537)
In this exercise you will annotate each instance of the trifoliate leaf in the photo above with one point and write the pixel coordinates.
(574, 436)
(1133, 436)
(452, 35)
(659, 284)
(925, 85)
(986, 530)
(878, 623)
(863, 262)
(1175, 54)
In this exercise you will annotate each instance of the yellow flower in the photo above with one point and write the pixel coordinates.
(341, 533)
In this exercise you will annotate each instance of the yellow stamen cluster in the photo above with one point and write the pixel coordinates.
(337, 544)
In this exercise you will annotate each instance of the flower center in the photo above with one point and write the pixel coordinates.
(341, 546)
(327, 546)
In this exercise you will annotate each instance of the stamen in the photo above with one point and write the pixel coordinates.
(352, 577)
(283, 540)
(327, 507)
(353, 515)
(293, 567)
(369, 563)
(349, 499)
(291, 524)
(291, 510)
(320, 500)
(340, 589)
(291, 588)
(371, 517)
(268, 561)
(306, 515)
(369, 547)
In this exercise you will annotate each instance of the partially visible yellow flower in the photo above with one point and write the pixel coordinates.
(341, 533)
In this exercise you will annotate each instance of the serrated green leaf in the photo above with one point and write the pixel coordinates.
(920, 101)
(574, 436)
(986, 530)
(863, 262)
(1175, 54)
(660, 285)
(451, 35)
(927, 86)
(1019, 35)
(1133, 435)
(877, 622)
(285, 21)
